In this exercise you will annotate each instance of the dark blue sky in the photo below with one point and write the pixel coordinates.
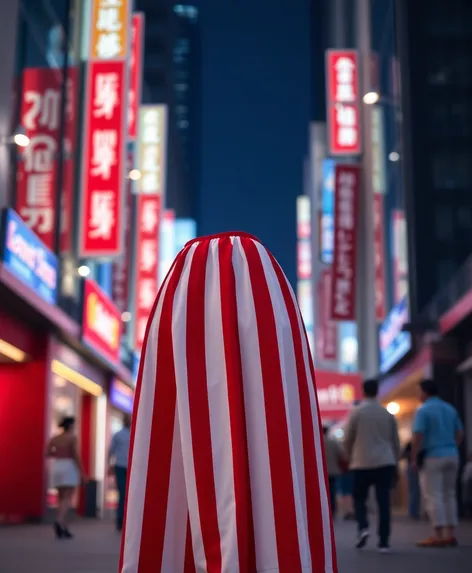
(255, 114)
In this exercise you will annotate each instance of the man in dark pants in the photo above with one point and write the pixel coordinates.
(372, 447)
(118, 453)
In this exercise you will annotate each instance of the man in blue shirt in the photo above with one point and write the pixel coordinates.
(437, 434)
(118, 462)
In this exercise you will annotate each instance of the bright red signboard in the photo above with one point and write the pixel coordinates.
(337, 393)
(135, 73)
(102, 209)
(37, 172)
(101, 322)
(379, 257)
(147, 262)
(344, 269)
(343, 113)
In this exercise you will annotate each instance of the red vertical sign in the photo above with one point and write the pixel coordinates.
(343, 113)
(147, 261)
(40, 115)
(343, 302)
(327, 328)
(379, 257)
(101, 215)
(135, 73)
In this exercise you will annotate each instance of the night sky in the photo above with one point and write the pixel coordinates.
(255, 114)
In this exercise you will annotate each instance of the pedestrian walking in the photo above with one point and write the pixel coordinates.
(118, 455)
(373, 449)
(437, 434)
(67, 473)
(227, 471)
(334, 464)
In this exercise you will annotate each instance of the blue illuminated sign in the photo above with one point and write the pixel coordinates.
(327, 211)
(26, 257)
(121, 396)
(394, 342)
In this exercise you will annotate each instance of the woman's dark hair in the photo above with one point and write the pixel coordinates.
(67, 423)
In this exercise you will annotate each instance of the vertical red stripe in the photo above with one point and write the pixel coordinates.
(189, 563)
(139, 382)
(237, 414)
(276, 417)
(162, 430)
(313, 480)
(200, 411)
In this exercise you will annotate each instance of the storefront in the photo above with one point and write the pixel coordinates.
(120, 402)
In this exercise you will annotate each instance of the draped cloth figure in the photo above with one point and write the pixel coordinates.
(227, 472)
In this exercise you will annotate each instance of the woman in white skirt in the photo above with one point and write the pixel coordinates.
(67, 472)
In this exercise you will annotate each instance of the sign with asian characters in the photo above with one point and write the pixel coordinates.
(101, 322)
(327, 212)
(337, 394)
(343, 113)
(147, 262)
(379, 257)
(109, 36)
(26, 257)
(327, 329)
(121, 266)
(400, 255)
(152, 149)
(135, 73)
(379, 179)
(103, 172)
(346, 197)
(37, 171)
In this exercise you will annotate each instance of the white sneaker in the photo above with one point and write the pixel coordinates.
(362, 539)
(384, 549)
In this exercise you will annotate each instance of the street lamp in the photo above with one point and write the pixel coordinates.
(371, 98)
(394, 156)
(83, 271)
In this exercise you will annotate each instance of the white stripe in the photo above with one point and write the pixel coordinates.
(179, 335)
(292, 400)
(142, 438)
(259, 466)
(173, 557)
(219, 414)
(325, 512)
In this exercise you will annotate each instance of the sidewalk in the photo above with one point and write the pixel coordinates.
(96, 546)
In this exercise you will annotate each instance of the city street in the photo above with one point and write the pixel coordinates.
(95, 550)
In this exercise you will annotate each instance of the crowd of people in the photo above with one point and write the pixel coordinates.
(369, 457)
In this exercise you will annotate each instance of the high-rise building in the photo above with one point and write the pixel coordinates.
(436, 64)
(171, 76)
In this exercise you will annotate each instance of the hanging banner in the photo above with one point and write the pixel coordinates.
(327, 212)
(152, 165)
(343, 109)
(121, 267)
(379, 179)
(346, 197)
(109, 37)
(379, 257)
(147, 262)
(103, 164)
(337, 393)
(400, 256)
(327, 328)
(135, 73)
(152, 149)
(37, 170)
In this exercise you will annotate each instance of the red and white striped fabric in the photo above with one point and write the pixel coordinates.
(227, 472)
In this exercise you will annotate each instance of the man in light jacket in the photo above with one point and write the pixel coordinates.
(372, 447)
